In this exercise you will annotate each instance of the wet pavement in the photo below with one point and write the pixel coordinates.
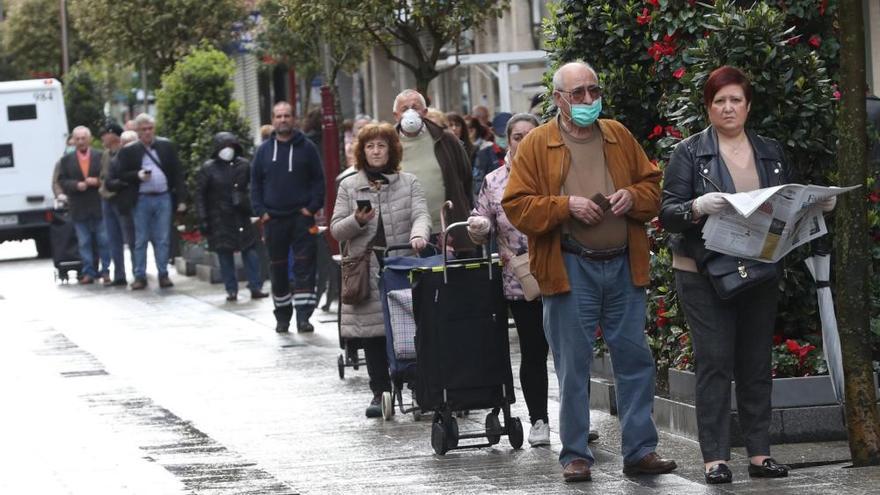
(177, 391)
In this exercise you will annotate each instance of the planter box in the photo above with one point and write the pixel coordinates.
(208, 270)
(184, 266)
(787, 392)
(601, 367)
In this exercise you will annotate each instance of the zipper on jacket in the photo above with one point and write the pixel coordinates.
(707, 178)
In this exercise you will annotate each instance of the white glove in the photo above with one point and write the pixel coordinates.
(709, 204)
(143, 175)
(478, 225)
(827, 204)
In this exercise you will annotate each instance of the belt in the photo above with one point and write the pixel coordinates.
(153, 193)
(571, 246)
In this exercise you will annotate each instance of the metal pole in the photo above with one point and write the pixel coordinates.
(146, 99)
(504, 86)
(65, 58)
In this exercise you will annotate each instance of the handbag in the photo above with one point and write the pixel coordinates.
(356, 275)
(730, 275)
(520, 266)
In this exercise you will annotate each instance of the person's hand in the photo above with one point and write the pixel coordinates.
(81, 185)
(584, 210)
(305, 212)
(827, 204)
(621, 202)
(478, 225)
(181, 207)
(709, 204)
(364, 216)
(92, 181)
(418, 243)
(264, 218)
(143, 175)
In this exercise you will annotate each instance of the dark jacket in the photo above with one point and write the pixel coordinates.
(222, 199)
(130, 158)
(287, 176)
(84, 205)
(456, 169)
(489, 159)
(694, 169)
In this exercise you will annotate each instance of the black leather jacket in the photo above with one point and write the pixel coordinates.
(694, 169)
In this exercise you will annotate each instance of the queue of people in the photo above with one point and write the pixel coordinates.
(566, 202)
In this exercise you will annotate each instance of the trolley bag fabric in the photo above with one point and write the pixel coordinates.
(65, 248)
(403, 324)
(462, 338)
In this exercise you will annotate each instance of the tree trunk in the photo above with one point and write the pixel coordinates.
(851, 244)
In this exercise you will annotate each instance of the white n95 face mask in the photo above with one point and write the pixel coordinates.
(227, 154)
(411, 121)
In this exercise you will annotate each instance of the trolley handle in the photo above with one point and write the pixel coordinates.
(406, 247)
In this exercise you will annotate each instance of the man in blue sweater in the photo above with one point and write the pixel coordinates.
(287, 189)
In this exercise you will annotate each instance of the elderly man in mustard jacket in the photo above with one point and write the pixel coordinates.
(582, 189)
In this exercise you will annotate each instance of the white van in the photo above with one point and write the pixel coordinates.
(33, 136)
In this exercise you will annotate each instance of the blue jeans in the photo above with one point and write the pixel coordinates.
(152, 222)
(251, 266)
(88, 233)
(120, 231)
(602, 294)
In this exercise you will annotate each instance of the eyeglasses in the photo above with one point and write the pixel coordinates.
(578, 94)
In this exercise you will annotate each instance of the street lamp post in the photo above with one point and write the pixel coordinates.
(65, 58)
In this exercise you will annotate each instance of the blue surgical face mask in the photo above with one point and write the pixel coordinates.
(584, 115)
(501, 141)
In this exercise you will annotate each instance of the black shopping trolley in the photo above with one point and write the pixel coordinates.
(65, 248)
(463, 348)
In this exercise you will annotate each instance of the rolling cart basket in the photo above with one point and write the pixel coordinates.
(463, 348)
(400, 326)
(65, 248)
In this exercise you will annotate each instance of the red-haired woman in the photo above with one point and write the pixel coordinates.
(732, 337)
(397, 214)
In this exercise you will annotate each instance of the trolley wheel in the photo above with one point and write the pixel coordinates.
(452, 432)
(493, 429)
(387, 405)
(515, 433)
(340, 363)
(438, 438)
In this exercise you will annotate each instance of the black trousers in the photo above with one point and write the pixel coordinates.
(528, 316)
(281, 233)
(377, 364)
(732, 341)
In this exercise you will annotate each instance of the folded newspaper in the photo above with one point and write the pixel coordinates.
(766, 224)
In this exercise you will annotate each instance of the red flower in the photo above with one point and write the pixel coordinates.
(815, 41)
(645, 18)
(656, 224)
(836, 94)
(655, 3)
(793, 347)
(656, 132)
(662, 321)
(794, 40)
(678, 73)
(777, 339)
(598, 331)
(668, 38)
(707, 33)
(672, 131)
(874, 197)
(692, 2)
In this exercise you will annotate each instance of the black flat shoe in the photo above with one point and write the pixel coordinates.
(719, 474)
(768, 469)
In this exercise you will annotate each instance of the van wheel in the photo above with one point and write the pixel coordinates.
(44, 246)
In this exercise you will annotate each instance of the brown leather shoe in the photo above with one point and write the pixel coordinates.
(165, 282)
(86, 280)
(139, 284)
(650, 464)
(577, 470)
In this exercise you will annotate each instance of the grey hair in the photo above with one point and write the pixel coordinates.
(404, 94)
(557, 76)
(81, 128)
(144, 118)
(520, 117)
(128, 137)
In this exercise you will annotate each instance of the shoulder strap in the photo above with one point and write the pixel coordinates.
(153, 158)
